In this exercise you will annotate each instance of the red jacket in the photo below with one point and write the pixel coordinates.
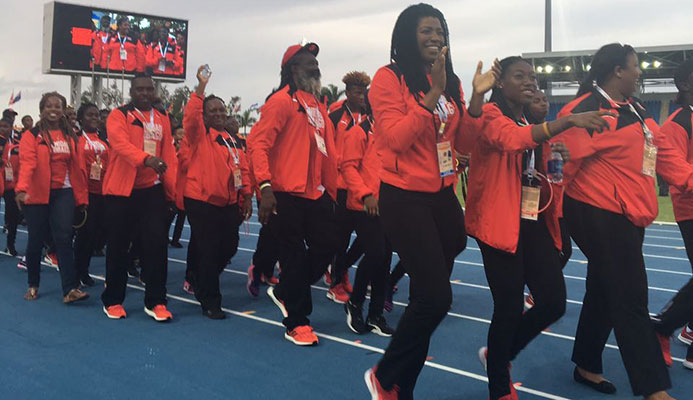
(181, 180)
(171, 54)
(10, 160)
(360, 166)
(35, 174)
(343, 121)
(126, 156)
(407, 134)
(212, 164)
(100, 49)
(495, 180)
(605, 169)
(134, 49)
(282, 146)
(678, 131)
(88, 152)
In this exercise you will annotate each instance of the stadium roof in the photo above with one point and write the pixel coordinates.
(566, 68)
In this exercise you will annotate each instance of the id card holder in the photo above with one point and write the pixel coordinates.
(529, 208)
(9, 173)
(95, 171)
(162, 65)
(649, 160)
(123, 54)
(150, 147)
(237, 179)
(321, 143)
(446, 164)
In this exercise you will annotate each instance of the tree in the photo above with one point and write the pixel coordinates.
(234, 106)
(246, 119)
(331, 93)
(177, 101)
(112, 97)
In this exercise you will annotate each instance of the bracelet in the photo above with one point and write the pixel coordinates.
(264, 185)
(547, 132)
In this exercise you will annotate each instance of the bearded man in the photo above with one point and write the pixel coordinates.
(294, 161)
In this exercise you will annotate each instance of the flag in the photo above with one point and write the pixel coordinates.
(11, 98)
(237, 108)
(254, 107)
(17, 98)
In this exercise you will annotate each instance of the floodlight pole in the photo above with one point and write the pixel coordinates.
(547, 40)
(75, 90)
(97, 90)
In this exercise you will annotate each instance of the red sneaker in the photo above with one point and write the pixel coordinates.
(665, 343)
(345, 281)
(272, 280)
(327, 278)
(252, 284)
(188, 288)
(377, 392)
(529, 301)
(338, 294)
(302, 336)
(159, 313)
(51, 259)
(115, 311)
(483, 357)
(686, 335)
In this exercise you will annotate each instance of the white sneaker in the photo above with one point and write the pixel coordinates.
(482, 356)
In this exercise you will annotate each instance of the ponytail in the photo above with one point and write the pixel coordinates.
(603, 63)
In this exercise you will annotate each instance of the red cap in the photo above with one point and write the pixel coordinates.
(293, 50)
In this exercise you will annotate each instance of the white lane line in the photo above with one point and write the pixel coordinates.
(351, 343)
(452, 314)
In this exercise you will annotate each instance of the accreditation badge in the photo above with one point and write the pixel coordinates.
(446, 164)
(529, 208)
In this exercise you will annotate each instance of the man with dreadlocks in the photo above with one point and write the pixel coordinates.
(51, 183)
(138, 184)
(346, 116)
(420, 119)
(217, 173)
(294, 161)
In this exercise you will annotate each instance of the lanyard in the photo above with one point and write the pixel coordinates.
(442, 109)
(530, 170)
(351, 114)
(122, 41)
(92, 144)
(234, 154)
(311, 120)
(151, 116)
(645, 129)
(163, 53)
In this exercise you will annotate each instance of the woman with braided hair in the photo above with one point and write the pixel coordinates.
(51, 183)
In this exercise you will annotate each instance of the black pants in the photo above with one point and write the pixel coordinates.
(306, 232)
(146, 213)
(397, 273)
(567, 245)
(374, 268)
(266, 250)
(615, 297)
(191, 260)
(427, 231)
(55, 219)
(87, 235)
(178, 227)
(346, 224)
(11, 217)
(536, 263)
(216, 238)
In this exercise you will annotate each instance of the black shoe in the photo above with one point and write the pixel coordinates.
(11, 251)
(176, 244)
(214, 314)
(355, 318)
(133, 272)
(98, 253)
(87, 281)
(602, 387)
(379, 326)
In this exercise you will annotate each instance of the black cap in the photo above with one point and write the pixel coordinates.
(683, 72)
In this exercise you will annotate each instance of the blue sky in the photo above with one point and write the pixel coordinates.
(243, 41)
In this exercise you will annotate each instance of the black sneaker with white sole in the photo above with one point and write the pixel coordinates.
(379, 326)
(355, 318)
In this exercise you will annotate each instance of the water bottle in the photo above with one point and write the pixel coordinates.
(555, 171)
(206, 72)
